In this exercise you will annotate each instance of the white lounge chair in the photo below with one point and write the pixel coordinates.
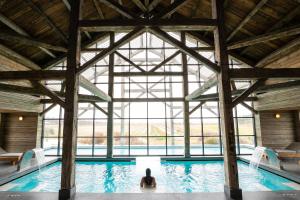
(291, 152)
(14, 158)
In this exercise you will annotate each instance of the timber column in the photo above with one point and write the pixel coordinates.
(231, 187)
(110, 107)
(186, 116)
(68, 188)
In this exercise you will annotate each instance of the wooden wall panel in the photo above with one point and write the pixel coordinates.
(20, 136)
(276, 133)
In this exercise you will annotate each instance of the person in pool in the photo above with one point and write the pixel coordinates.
(148, 181)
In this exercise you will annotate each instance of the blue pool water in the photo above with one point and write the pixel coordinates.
(172, 176)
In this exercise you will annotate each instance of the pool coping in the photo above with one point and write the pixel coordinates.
(261, 195)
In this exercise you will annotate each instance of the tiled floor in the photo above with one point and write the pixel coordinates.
(293, 195)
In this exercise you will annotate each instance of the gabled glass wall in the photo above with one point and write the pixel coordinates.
(148, 110)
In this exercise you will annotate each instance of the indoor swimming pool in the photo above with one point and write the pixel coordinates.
(171, 176)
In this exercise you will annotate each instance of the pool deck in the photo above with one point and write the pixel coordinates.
(290, 195)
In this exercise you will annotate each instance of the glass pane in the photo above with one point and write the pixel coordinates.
(84, 146)
(175, 127)
(212, 146)
(195, 127)
(196, 146)
(138, 146)
(156, 110)
(138, 110)
(175, 145)
(100, 128)
(157, 146)
(138, 127)
(121, 146)
(50, 145)
(245, 126)
(242, 111)
(121, 127)
(247, 144)
(100, 146)
(51, 128)
(157, 127)
(211, 127)
(85, 128)
(53, 113)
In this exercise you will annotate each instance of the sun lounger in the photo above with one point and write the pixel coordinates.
(291, 152)
(14, 158)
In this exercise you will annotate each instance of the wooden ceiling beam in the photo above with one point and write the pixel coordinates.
(48, 20)
(12, 25)
(285, 32)
(258, 73)
(98, 8)
(205, 87)
(140, 5)
(119, 8)
(254, 111)
(68, 6)
(279, 53)
(247, 18)
(30, 42)
(210, 43)
(127, 74)
(12, 55)
(86, 84)
(48, 93)
(47, 109)
(261, 89)
(63, 57)
(99, 108)
(166, 37)
(287, 18)
(131, 35)
(198, 106)
(129, 61)
(153, 5)
(166, 24)
(33, 75)
(247, 92)
(18, 89)
(169, 10)
(171, 57)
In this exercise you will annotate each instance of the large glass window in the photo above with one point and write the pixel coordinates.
(148, 110)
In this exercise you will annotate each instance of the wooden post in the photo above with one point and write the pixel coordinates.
(296, 114)
(186, 116)
(231, 188)
(110, 106)
(68, 188)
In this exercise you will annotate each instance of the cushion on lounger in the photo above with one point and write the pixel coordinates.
(11, 154)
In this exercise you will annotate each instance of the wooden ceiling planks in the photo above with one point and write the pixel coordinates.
(32, 22)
